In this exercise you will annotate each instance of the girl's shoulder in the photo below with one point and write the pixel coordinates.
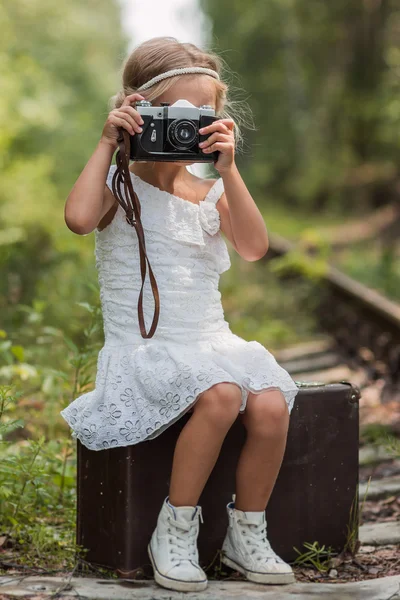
(205, 186)
(205, 189)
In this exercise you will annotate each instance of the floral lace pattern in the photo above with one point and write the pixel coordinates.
(144, 385)
(209, 217)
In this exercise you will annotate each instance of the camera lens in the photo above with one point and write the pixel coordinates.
(182, 133)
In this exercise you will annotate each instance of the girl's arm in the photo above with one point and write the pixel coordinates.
(241, 220)
(90, 199)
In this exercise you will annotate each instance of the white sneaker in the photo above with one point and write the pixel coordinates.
(246, 548)
(173, 548)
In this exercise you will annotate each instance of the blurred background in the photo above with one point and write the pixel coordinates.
(322, 82)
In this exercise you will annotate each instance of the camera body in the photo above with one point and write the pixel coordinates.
(171, 132)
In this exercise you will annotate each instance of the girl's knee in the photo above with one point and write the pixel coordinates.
(220, 403)
(266, 412)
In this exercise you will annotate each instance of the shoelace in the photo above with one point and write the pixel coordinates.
(183, 538)
(256, 537)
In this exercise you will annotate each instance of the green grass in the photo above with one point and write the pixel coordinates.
(290, 223)
(315, 556)
(376, 266)
(374, 263)
(37, 494)
(378, 434)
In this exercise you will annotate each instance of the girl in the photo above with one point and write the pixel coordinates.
(193, 361)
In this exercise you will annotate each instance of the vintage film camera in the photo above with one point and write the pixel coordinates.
(171, 132)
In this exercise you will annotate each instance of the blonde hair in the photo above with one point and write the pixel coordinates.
(160, 54)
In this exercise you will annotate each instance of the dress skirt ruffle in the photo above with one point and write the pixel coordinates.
(142, 390)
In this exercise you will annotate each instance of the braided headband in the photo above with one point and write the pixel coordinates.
(173, 72)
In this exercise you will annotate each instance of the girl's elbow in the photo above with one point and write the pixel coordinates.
(76, 226)
(257, 256)
(254, 255)
(263, 252)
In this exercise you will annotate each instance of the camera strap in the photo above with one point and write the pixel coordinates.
(132, 208)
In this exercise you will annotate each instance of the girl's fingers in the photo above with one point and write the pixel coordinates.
(221, 146)
(216, 126)
(216, 137)
(131, 121)
(229, 123)
(135, 114)
(122, 122)
(134, 118)
(131, 98)
(223, 125)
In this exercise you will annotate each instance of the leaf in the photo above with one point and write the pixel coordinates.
(71, 345)
(87, 306)
(18, 352)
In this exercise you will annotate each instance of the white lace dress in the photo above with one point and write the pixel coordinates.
(144, 385)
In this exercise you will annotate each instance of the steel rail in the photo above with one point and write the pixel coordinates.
(364, 323)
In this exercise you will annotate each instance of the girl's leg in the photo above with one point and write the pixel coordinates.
(266, 419)
(246, 547)
(200, 441)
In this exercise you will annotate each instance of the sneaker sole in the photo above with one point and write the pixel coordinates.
(175, 584)
(273, 578)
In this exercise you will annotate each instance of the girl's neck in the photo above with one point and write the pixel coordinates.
(163, 175)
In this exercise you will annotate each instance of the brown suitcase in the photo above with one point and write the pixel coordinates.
(120, 490)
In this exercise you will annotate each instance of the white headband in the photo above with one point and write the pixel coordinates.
(173, 72)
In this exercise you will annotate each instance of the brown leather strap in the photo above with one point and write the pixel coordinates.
(132, 208)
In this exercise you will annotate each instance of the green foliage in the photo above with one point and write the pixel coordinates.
(59, 65)
(263, 304)
(37, 468)
(381, 435)
(315, 555)
(376, 265)
(299, 261)
(60, 62)
(352, 544)
(372, 433)
(37, 491)
(326, 125)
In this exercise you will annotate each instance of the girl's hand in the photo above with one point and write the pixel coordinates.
(125, 116)
(222, 139)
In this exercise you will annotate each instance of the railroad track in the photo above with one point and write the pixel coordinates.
(360, 334)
